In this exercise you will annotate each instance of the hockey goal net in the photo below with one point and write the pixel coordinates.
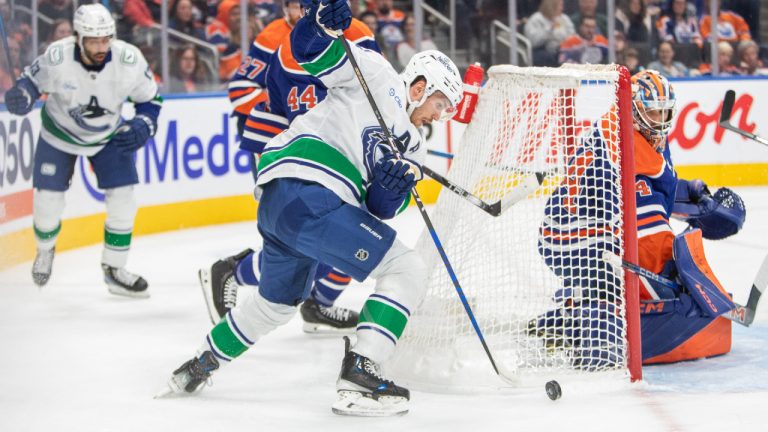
(569, 313)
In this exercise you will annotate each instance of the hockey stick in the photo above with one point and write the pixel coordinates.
(725, 119)
(4, 37)
(420, 204)
(529, 184)
(743, 315)
(440, 154)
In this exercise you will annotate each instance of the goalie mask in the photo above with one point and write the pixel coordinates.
(92, 20)
(653, 107)
(441, 75)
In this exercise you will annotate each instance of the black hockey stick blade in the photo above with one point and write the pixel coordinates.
(725, 118)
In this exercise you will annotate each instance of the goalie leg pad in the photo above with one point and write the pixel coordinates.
(697, 277)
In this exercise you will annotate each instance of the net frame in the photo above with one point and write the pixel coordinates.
(571, 77)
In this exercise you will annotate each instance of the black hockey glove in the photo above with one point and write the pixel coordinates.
(132, 135)
(21, 98)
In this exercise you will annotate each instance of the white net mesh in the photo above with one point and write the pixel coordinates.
(533, 276)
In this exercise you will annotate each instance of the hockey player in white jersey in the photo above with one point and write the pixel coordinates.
(87, 78)
(327, 182)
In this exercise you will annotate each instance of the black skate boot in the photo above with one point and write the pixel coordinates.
(327, 320)
(363, 392)
(219, 285)
(190, 377)
(41, 268)
(122, 282)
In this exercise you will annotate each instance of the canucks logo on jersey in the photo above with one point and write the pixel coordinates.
(93, 110)
(375, 146)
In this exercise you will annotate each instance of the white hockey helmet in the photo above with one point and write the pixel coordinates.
(93, 20)
(441, 74)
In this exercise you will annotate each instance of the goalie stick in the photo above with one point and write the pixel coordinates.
(528, 184)
(725, 118)
(420, 205)
(743, 315)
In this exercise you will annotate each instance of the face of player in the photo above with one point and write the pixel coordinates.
(293, 12)
(437, 107)
(95, 49)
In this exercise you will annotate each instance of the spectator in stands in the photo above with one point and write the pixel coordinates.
(630, 58)
(390, 22)
(58, 29)
(750, 11)
(19, 30)
(55, 10)
(724, 62)
(731, 27)
(143, 13)
(633, 16)
(586, 46)
(188, 73)
(748, 54)
(372, 21)
(666, 64)
(407, 48)
(224, 33)
(679, 25)
(6, 80)
(588, 8)
(547, 29)
(182, 18)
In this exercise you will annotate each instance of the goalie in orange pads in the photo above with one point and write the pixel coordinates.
(675, 324)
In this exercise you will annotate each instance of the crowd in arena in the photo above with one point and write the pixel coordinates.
(671, 36)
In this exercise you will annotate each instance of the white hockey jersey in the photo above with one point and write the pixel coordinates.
(338, 142)
(83, 107)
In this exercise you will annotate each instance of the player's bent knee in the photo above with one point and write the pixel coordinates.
(121, 207)
(257, 316)
(48, 207)
(403, 273)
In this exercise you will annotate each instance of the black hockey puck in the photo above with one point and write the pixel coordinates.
(553, 390)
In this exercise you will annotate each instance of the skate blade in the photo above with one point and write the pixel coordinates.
(205, 283)
(351, 403)
(324, 329)
(127, 293)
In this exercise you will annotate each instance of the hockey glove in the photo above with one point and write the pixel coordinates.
(132, 135)
(332, 17)
(21, 98)
(391, 182)
(697, 189)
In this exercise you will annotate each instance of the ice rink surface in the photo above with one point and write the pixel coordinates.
(77, 358)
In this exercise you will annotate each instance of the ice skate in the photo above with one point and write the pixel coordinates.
(190, 377)
(362, 391)
(122, 282)
(219, 285)
(327, 320)
(41, 268)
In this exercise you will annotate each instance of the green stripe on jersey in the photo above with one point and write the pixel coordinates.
(226, 341)
(320, 153)
(47, 235)
(51, 127)
(327, 60)
(383, 315)
(120, 240)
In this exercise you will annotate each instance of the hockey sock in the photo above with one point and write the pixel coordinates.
(247, 272)
(329, 287)
(118, 227)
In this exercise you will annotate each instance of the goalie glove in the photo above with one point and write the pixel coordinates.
(718, 216)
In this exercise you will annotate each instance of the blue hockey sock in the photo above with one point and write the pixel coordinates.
(247, 272)
(329, 287)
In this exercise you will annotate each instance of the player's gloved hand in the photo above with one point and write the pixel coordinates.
(697, 189)
(332, 16)
(132, 135)
(21, 98)
(394, 175)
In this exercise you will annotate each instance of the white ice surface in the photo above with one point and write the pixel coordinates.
(76, 358)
